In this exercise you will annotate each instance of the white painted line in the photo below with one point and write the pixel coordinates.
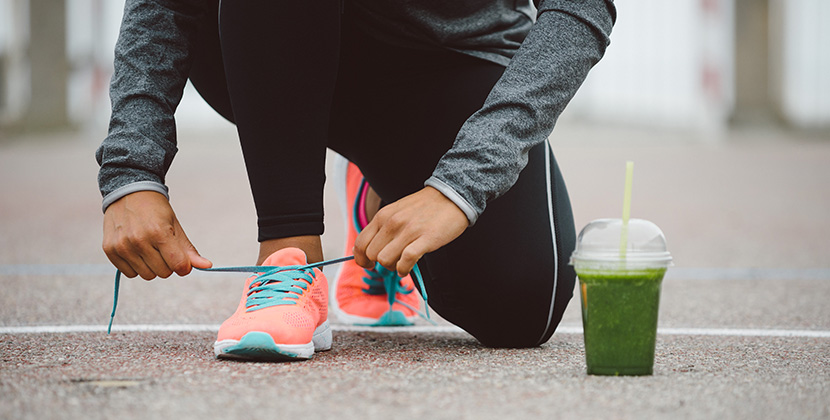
(66, 329)
(562, 329)
(702, 273)
(744, 332)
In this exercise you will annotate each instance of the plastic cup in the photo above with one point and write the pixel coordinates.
(620, 294)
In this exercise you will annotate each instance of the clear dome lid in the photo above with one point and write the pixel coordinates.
(599, 241)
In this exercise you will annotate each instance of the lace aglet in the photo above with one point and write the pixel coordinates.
(114, 299)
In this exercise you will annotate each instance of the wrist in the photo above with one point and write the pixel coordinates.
(132, 188)
(453, 196)
(140, 202)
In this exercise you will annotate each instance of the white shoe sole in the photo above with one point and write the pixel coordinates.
(260, 346)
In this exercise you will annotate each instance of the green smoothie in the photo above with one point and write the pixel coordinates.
(619, 316)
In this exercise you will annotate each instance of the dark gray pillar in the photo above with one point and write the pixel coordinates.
(49, 66)
(753, 98)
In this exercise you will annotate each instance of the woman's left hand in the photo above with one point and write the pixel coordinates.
(402, 232)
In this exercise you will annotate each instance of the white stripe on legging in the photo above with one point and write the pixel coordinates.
(549, 193)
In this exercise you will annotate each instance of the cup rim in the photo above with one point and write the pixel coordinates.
(656, 258)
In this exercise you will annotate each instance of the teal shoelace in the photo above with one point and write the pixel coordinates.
(274, 285)
(382, 281)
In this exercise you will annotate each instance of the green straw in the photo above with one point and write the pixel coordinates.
(629, 178)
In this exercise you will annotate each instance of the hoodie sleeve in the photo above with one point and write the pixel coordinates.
(567, 40)
(152, 63)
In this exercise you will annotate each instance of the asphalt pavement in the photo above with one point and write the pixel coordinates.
(744, 320)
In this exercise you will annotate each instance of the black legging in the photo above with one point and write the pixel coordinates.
(299, 83)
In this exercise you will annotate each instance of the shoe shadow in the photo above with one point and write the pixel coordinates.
(416, 347)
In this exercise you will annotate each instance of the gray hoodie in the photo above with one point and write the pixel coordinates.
(547, 60)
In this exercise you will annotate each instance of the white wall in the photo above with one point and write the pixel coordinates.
(803, 89)
(669, 65)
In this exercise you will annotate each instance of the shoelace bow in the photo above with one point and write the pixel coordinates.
(275, 285)
(384, 281)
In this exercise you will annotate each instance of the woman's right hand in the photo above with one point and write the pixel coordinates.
(143, 237)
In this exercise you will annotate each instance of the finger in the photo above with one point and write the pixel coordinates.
(363, 240)
(392, 225)
(412, 254)
(137, 263)
(391, 252)
(379, 241)
(122, 265)
(182, 257)
(117, 251)
(131, 249)
(175, 257)
(197, 260)
(123, 255)
(154, 261)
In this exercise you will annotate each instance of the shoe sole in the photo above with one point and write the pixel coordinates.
(260, 346)
(391, 318)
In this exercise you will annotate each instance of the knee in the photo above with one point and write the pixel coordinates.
(499, 330)
(509, 336)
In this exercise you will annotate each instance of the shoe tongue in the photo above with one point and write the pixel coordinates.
(286, 256)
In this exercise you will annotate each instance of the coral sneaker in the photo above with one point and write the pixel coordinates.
(376, 297)
(282, 315)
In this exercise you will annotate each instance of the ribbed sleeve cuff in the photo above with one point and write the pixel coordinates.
(455, 197)
(131, 188)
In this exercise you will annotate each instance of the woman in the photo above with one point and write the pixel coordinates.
(445, 108)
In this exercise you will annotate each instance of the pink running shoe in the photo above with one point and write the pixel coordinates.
(282, 315)
(376, 297)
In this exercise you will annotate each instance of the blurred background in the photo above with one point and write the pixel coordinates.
(724, 105)
(702, 65)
